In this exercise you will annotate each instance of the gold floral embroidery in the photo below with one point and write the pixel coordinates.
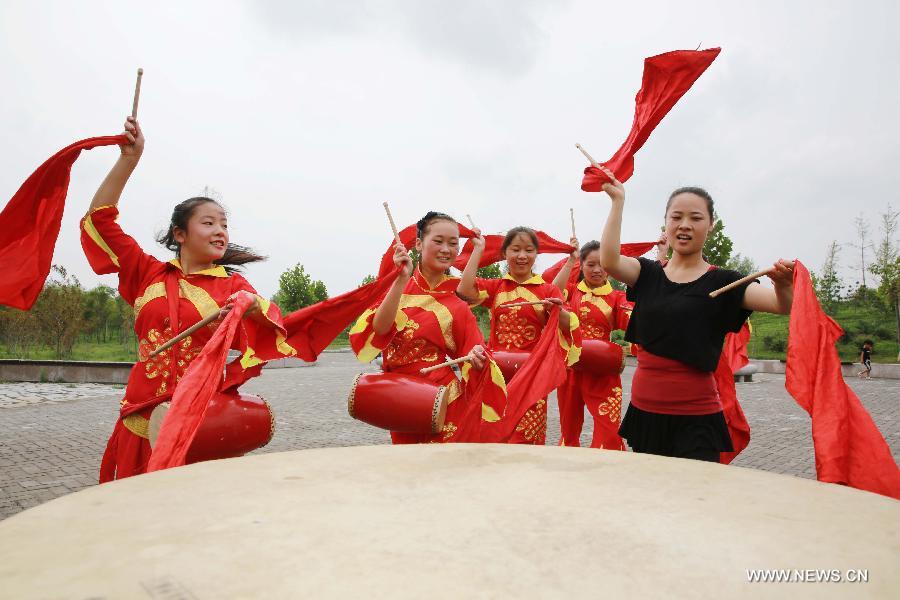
(448, 431)
(533, 425)
(406, 348)
(160, 366)
(514, 331)
(613, 405)
(590, 329)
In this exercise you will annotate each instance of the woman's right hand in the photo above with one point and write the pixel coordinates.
(402, 259)
(478, 240)
(573, 241)
(615, 189)
(135, 146)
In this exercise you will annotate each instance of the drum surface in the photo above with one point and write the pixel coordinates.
(450, 521)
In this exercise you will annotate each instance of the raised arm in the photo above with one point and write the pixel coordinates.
(386, 312)
(624, 268)
(467, 288)
(777, 301)
(562, 278)
(111, 189)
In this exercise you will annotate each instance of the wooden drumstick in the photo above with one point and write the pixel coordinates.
(740, 281)
(199, 325)
(572, 216)
(471, 222)
(588, 156)
(455, 361)
(521, 304)
(137, 94)
(387, 209)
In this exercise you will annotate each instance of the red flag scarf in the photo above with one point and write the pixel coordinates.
(193, 393)
(632, 249)
(312, 328)
(408, 239)
(733, 359)
(493, 243)
(849, 448)
(667, 78)
(541, 374)
(29, 225)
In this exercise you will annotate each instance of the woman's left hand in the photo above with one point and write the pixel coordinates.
(548, 302)
(229, 304)
(783, 274)
(478, 357)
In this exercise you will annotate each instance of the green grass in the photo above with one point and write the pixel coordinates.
(93, 351)
(858, 322)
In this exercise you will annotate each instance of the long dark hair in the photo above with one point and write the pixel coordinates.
(511, 235)
(234, 256)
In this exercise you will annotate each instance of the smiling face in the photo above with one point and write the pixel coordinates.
(520, 255)
(206, 236)
(688, 223)
(439, 247)
(594, 274)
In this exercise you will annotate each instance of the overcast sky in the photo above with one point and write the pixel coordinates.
(305, 116)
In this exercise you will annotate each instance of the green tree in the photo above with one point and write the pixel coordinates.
(19, 331)
(828, 283)
(99, 307)
(367, 279)
(297, 289)
(59, 311)
(490, 272)
(886, 265)
(741, 264)
(717, 248)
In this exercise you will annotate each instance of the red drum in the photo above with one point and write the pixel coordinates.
(234, 424)
(509, 362)
(601, 358)
(398, 402)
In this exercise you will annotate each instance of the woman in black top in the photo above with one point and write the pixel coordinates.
(675, 408)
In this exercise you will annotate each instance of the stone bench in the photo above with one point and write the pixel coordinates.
(746, 373)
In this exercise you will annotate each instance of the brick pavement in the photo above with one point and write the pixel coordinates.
(52, 439)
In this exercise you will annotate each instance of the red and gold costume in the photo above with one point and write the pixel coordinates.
(167, 301)
(600, 311)
(517, 329)
(432, 326)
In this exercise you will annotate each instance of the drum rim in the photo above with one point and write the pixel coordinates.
(271, 420)
(351, 399)
(439, 416)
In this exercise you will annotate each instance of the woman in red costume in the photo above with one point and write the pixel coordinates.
(169, 297)
(518, 328)
(600, 310)
(675, 407)
(421, 322)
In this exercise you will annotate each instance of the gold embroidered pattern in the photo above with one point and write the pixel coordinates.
(405, 348)
(197, 296)
(590, 329)
(448, 431)
(153, 291)
(613, 405)
(533, 425)
(514, 331)
(160, 366)
(441, 313)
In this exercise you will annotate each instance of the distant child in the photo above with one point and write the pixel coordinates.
(865, 357)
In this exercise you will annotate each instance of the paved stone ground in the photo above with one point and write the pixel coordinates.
(52, 435)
